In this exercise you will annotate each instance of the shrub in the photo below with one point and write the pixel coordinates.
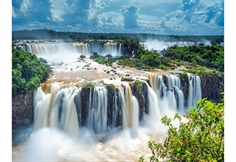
(201, 138)
(127, 79)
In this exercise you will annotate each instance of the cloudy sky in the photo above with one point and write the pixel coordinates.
(195, 17)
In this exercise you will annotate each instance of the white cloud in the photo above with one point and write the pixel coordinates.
(110, 20)
(58, 10)
(14, 15)
(131, 16)
(167, 16)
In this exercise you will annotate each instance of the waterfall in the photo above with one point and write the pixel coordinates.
(130, 108)
(195, 92)
(135, 113)
(161, 87)
(60, 106)
(114, 110)
(154, 110)
(69, 121)
(28, 48)
(119, 51)
(169, 93)
(81, 48)
(111, 48)
(78, 105)
(49, 48)
(55, 107)
(179, 99)
(98, 110)
(41, 109)
(44, 103)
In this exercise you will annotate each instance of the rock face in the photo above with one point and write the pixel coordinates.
(110, 105)
(22, 110)
(139, 90)
(212, 85)
(85, 94)
(184, 85)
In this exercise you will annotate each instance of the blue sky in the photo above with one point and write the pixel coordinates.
(187, 17)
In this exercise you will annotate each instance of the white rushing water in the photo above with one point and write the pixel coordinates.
(79, 48)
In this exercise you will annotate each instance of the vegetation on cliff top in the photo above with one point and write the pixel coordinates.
(28, 71)
(210, 56)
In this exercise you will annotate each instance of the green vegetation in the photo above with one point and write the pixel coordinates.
(89, 86)
(106, 60)
(138, 83)
(201, 138)
(139, 86)
(110, 88)
(83, 37)
(28, 71)
(127, 79)
(69, 36)
(211, 56)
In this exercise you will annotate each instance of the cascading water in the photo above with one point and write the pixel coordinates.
(80, 48)
(97, 119)
(119, 51)
(60, 107)
(56, 108)
(170, 95)
(78, 103)
(130, 108)
(114, 110)
(154, 110)
(195, 92)
(49, 48)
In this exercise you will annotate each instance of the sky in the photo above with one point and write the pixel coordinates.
(176, 17)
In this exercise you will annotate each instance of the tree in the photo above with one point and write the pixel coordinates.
(201, 138)
(151, 58)
(28, 71)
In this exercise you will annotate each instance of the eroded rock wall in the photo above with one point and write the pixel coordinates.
(22, 110)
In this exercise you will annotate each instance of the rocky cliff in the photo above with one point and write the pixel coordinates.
(22, 110)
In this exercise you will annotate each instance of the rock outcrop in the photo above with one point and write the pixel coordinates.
(22, 110)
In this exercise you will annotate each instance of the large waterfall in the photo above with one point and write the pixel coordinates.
(49, 48)
(66, 107)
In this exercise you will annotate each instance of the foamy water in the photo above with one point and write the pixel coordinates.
(48, 144)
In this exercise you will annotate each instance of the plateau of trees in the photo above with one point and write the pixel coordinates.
(28, 71)
(211, 56)
(201, 138)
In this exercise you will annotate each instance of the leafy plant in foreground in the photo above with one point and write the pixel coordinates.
(201, 138)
